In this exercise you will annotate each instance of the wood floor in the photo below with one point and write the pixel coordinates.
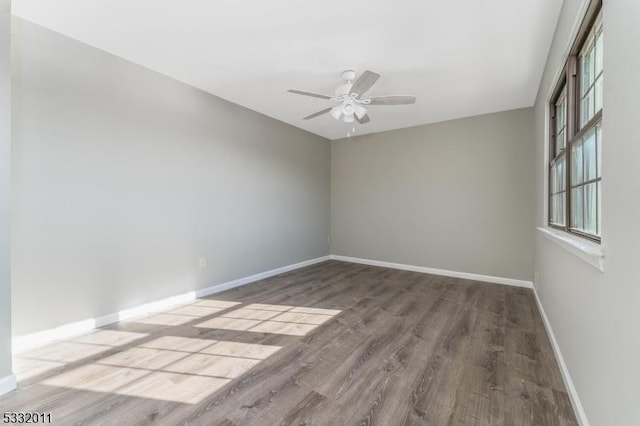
(332, 344)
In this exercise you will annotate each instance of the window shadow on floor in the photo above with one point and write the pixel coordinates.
(181, 355)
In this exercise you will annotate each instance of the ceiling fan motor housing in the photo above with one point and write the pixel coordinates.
(349, 75)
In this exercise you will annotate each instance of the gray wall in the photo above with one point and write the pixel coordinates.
(123, 178)
(455, 195)
(595, 315)
(5, 177)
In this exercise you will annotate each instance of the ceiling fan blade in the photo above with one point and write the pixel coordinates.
(365, 119)
(364, 82)
(312, 94)
(316, 114)
(392, 100)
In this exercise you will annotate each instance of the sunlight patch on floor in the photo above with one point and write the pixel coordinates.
(96, 378)
(164, 319)
(58, 354)
(169, 367)
(197, 311)
(244, 350)
(109, 337)
(251, 314)
(150, 359)
(265, 307)
(25, 368)
(229, 324)
(185, 388)
(178, 343)
(276, 319)
(212, 366)
(66, 352)
(224, 304)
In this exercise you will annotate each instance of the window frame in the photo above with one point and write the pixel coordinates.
(554, 156)
(569, 82)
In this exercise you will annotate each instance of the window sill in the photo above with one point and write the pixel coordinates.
(586, 250)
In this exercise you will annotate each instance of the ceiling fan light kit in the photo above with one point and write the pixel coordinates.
(349, 95)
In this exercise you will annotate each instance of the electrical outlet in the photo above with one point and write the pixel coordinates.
(202, 262)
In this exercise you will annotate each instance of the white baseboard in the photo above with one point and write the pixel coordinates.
(434, 271)
(7, 384)
(41, 338)
(566, 377)
(257, 277)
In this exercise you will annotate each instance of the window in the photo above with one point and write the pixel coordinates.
(576, 134)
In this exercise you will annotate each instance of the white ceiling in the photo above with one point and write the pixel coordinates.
(460, 57)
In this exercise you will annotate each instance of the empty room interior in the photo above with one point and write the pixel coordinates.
(319, 213)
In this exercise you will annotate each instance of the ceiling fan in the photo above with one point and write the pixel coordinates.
(350, 97)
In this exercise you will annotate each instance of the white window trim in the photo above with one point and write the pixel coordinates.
(588, 251)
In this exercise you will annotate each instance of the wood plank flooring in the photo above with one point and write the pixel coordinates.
(332, 344)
